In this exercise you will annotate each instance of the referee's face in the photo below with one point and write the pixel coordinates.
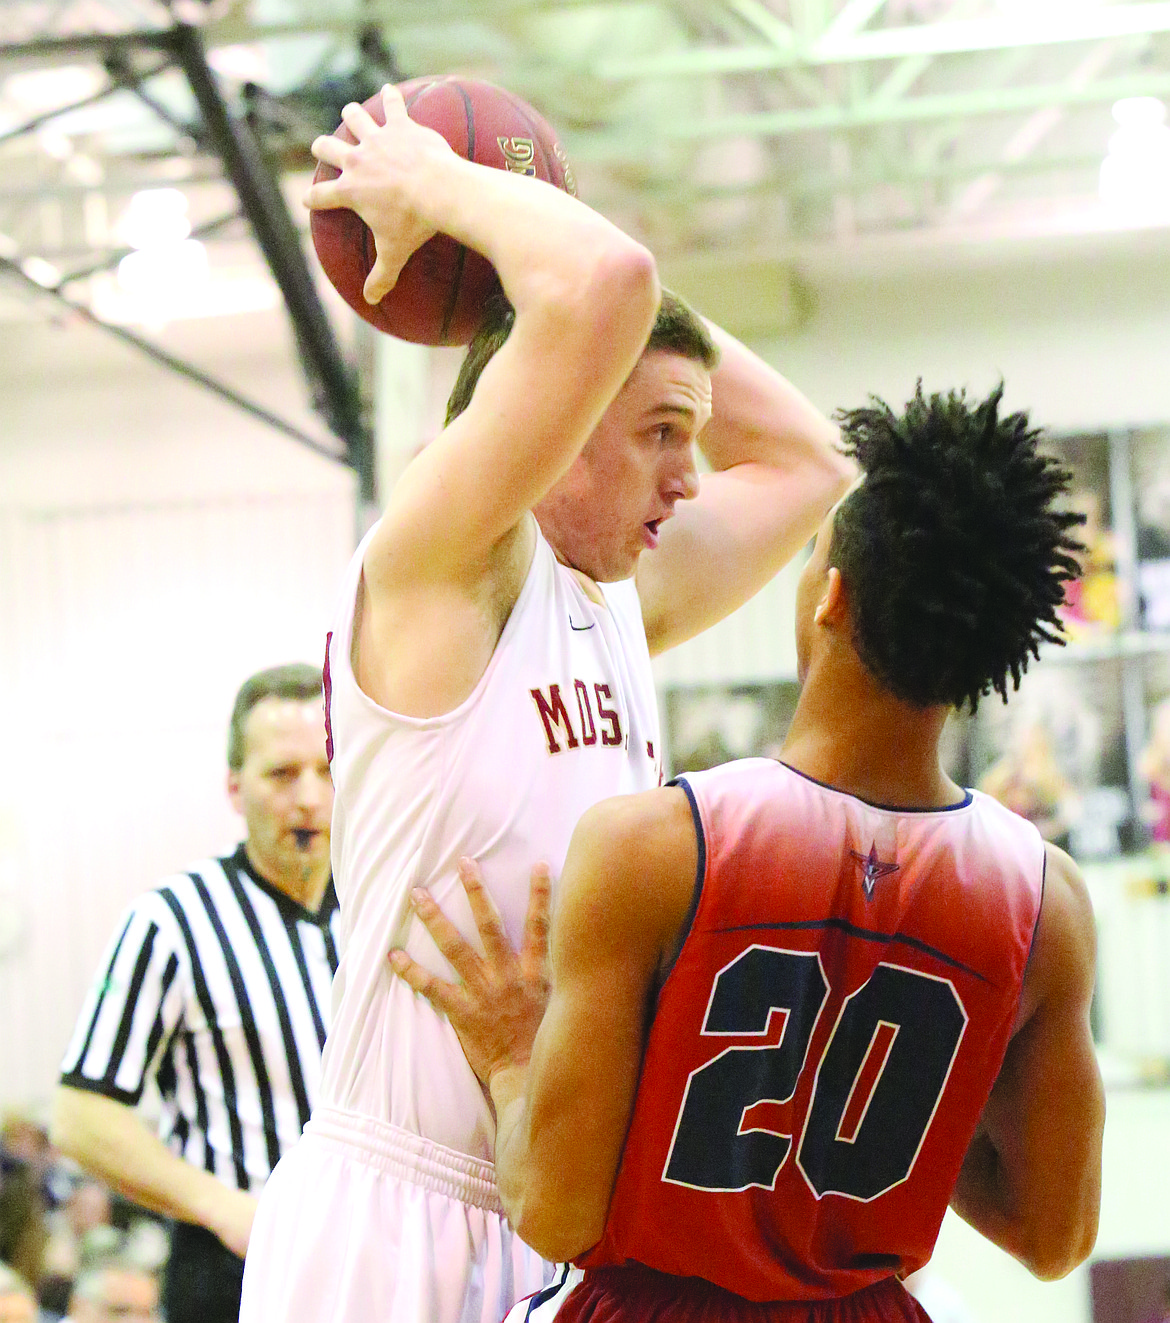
(284, 793)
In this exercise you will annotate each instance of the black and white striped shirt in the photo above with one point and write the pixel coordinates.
(216, 988)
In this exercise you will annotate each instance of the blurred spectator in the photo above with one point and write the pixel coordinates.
(1155, 767)
(1029, 780)
(1091, 603)
(80, 1231)
(23, 1231)
(18, 1304)
(116, 1290)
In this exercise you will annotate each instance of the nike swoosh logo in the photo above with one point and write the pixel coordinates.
(579, 628)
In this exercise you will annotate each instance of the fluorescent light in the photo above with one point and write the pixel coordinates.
(44, 273)
(55, 144)
(247, 64)
(223, 294)
(85, 169)
(163, 271)
(1138, 112)
(155, 216)
(1135, 175)
(40, 90)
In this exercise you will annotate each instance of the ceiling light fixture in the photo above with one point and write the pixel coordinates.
(41, 90)
(1135, 175)
(155, 216)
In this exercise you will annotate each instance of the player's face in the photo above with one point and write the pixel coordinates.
(284, 791)
(637, 465)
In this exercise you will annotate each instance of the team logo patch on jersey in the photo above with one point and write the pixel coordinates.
(873, 869)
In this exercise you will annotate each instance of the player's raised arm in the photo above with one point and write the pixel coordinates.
(1031, 1181)
(584, 295)
(775, 471)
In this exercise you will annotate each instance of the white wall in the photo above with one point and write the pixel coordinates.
(158, 546)
(1079, 329)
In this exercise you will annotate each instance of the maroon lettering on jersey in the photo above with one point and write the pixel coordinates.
(555, 715)
(585, 711)
(608, 715)
(327, 686)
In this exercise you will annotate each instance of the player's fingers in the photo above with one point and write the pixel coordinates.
(381, 280)
(441, 994)
(332, 151)
(484, 912)
(393, 106)
(537, 921)
(358, 120)
(322, 195)
(463, 958)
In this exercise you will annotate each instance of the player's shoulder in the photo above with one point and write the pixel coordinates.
(1066, 893)
(1064, 950)
(644, 823)
(632, 863)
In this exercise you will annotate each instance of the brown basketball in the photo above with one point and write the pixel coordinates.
(444, 288)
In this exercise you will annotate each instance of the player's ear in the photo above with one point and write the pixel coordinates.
(831, 608)
(233, 789)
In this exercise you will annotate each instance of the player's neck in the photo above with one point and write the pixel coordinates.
(849, 733)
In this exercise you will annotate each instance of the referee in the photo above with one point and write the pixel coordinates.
(213, 1002)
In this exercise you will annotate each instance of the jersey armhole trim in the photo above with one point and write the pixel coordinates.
(1039, 911)
(684, 931)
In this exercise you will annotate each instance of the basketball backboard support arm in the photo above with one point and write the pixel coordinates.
(333, 384)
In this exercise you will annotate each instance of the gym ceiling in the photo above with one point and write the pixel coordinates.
(751, 134)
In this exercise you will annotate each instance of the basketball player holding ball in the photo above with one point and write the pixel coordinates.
(489, 679)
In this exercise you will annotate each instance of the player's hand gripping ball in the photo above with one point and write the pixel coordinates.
(443, 290)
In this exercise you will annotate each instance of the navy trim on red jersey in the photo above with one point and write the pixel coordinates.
(866, 934)
(700, 875)
(965, 802)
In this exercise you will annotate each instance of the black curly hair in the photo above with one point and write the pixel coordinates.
(954, 549)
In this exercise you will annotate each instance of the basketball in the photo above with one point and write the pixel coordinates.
(444, 288)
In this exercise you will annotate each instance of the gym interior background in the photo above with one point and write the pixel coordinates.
(194, 430)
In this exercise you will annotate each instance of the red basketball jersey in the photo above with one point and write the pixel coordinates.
(825, 1043)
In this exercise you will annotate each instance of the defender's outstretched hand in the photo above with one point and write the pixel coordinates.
(498, 1005)
(384, 176)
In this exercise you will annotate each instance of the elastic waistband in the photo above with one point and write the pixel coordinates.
(408, 1156)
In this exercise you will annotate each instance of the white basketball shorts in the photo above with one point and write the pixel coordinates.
(365, 1223)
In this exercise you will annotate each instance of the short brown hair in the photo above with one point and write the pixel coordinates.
(297, 680)
(677, 328)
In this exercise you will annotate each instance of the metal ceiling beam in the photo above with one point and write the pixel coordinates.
(390, 16)
(770, 26)
(872, 111)
(12, 268)
(334, 384)
(84, 43)
(1034, 129)
(860, 180)
(854, 15)
(122, 77)
(963, 36)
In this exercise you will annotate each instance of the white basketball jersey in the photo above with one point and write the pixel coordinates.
(564, 716)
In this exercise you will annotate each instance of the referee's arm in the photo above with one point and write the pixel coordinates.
(131, 1010)
(108, 1139)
